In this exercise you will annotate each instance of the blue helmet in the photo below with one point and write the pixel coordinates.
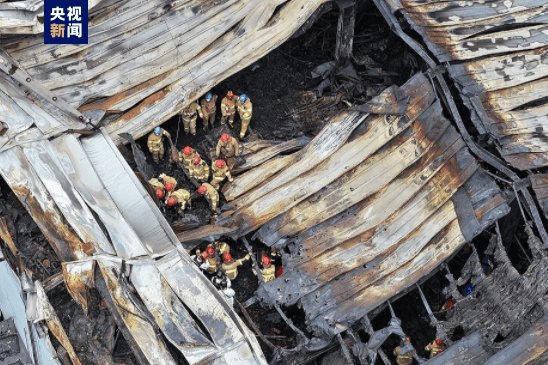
(468, 290)
(209, 96)
(157, 131)
(243, 98)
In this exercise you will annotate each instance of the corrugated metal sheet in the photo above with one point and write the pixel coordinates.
(373, 215)
(496, 53)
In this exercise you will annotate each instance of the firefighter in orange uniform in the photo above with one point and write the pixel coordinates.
(245, 110)
(230, 267)
(436, 347)
(186, 156)
(155, 144)
(210, 194)
(219, 172)
(199, 169)
(189, 115)
(180, 196)
(227, 147)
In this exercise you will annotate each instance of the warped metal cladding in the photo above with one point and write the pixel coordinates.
(496, 53)
(145, 61)
(395, 199)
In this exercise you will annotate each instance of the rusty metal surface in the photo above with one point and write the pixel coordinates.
(503, 45)
(78, 277)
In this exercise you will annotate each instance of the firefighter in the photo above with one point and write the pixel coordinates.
(223, 284)
(210, 263)
(221, 247)
(209, 109)
(219, 171)
(189, 115)
(245, 109)
(158, 187)
(268, 272)
(169, 182)
(403, 358)
(199, 169)
(155, 144)
(230, 266)
(276, 260)
(180, 196)
(228, 108)
(210, 194)
(448, 307)
(435, 347)
(227, 147)
(186, 156)
(200, 259)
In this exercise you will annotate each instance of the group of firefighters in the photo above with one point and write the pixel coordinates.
(165, 186)
(223, 273)
(229, 105)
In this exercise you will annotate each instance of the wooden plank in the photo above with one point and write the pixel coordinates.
(367, 178)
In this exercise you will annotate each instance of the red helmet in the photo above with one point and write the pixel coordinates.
(196, 160)
(408, 339)
(160, 193)
(266, 260)
(438, 342)
(220, 164)
(204, 254)
(202, 189)
(171, 201)
(450, 303)
(169, 186)
(227, 257)
(187, 150)
(210, 250)
(230, 93)
(225, 137)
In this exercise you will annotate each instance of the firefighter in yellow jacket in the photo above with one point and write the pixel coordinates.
(180, 196)
(186, 156)
(169, 182)
(208, 110)
(268, 272)
(155, 144)
(158, 187)
(436, 347)
(403, 358)
(189, 115)
(227, 147)
(219, 172)
(199, 169)
(228, 108)
(230, 267)
(245, 110)
(210, 194)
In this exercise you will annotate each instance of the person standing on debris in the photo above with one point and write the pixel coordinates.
(245, 110)
(230, 267)
(403, 358)
(158, 187)
(228, 108)
(189, 115)
(209, 109)
(186, 156)
(436, 347)
(180, 196)
(169, 182)
(210, 194)
(155, 144)
(210, 263)
(199, 169)
(224, 285)
(268, 272)
(219, 171)
(227, 147)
